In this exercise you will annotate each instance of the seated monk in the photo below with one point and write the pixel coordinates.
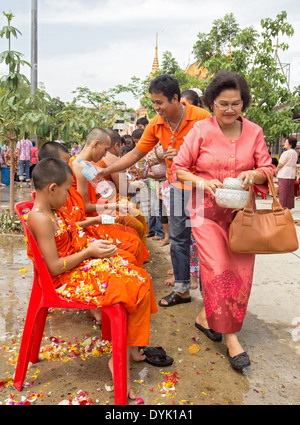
(121, 194)
(84, 270)
(96, 145)
(126, 239)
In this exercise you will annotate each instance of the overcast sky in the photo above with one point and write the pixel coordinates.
(102, 43)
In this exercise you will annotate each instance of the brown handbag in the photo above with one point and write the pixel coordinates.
(263, 231)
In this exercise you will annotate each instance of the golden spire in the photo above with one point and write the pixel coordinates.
(155, 66)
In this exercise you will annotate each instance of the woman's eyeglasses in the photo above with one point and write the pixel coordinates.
(234, 106)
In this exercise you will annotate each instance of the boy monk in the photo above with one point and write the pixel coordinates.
(96, 145)
(125, 238)
(85, 270)
(121, 186)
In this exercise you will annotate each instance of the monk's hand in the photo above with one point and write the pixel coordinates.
(137, 184)
(211, 185)
(247, 177)
(102, 249)
(122, 208)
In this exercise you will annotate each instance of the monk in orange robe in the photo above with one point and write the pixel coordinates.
(126, 238)
(85, 270)
(96, 145)
(112, 156)
(134, 210)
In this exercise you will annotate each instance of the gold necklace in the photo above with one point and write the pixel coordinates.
(177, 126)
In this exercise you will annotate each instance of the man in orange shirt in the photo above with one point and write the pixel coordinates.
(173, 121)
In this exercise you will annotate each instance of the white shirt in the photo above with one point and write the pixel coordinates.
(289, 160)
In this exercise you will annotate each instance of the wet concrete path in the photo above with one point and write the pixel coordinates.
(74, 357)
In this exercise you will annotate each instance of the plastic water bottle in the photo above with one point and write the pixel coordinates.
(89, 171)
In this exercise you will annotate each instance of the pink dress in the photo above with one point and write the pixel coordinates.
(226, 276)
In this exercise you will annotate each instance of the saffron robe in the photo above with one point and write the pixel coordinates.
(129, 221)
(104, 281)
(126, 239)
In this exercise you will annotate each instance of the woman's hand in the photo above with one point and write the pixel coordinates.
(247, 177)
(102, 249)
(212, 185)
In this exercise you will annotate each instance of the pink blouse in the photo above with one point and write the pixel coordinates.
(289, 160)
(215, 156)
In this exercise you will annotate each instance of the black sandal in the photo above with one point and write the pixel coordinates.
(156, 356)
(173, 299)
(240, 361)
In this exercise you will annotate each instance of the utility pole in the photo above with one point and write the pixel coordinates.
(34, 49)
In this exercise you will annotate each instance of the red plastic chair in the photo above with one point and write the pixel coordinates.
(43, 296)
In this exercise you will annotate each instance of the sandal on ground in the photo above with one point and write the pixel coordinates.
(173, 299)
(156, 356)
(240, 361)
(213, 335)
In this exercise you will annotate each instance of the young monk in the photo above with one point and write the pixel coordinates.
(125, 238)
(96, 145)
(122, 188)
(83, 269)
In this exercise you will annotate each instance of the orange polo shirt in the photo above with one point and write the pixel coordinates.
(159, 130)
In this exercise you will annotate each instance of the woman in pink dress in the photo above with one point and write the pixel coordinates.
(225, 145)
(286, 172)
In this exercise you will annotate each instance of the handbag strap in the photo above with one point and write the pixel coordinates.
(276, 206)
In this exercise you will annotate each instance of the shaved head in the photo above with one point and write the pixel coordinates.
(52, 150)
(96, 134)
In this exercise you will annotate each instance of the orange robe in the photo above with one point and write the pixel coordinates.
(105, 281)
(127, 241)
(127, 220)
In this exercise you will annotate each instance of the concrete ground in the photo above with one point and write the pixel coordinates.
(74, 364)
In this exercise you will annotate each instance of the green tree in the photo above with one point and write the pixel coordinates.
(9, 116)
(12, 58)
(254, 55)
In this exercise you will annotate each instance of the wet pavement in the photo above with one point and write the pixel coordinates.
(74, 358)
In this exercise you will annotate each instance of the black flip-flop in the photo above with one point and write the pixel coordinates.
(156, 356)
(173, 299)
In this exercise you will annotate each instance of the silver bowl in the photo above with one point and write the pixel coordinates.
(230, 198)
(232, 183)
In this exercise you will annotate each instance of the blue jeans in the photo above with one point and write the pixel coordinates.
(154, 223)
(24, 165)
(155, 226)
(180, 238)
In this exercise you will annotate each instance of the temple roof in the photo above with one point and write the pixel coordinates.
(197, 71)
(155, 66)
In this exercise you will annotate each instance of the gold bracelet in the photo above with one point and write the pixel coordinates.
(65, 265)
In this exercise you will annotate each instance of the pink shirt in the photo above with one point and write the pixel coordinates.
(289, 160)
(25, 147)
(217, 157)
(34, 155)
